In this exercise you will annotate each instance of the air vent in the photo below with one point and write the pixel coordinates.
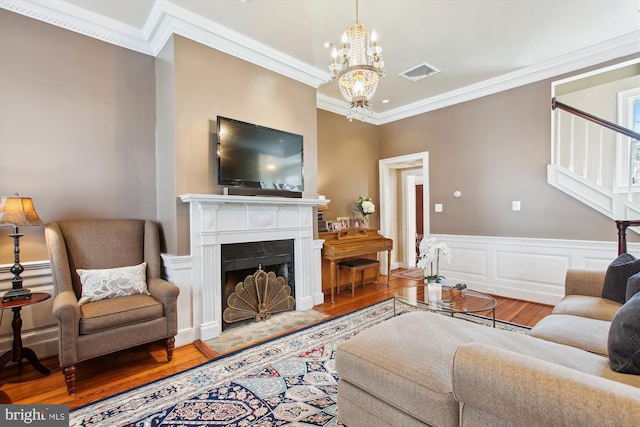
(419, 72)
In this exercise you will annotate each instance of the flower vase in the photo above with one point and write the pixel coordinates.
(434, 292)
(365, 221)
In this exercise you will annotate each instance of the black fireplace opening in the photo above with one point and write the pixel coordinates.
(240, 260)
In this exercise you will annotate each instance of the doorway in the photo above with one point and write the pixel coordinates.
(398, 179)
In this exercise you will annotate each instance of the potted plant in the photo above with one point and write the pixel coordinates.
(430, 252)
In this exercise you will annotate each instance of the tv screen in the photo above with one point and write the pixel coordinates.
(265, 160)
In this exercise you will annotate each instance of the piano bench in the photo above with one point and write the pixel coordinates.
(360, 264)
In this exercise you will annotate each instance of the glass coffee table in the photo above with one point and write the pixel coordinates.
(471, 302)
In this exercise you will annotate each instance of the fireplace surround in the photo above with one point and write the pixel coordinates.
(217, 220)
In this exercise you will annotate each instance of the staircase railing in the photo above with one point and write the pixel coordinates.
(593, 160)
(595, 119)
(621, 225)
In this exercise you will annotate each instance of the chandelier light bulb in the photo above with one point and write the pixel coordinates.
(374, 37)
(358, 89)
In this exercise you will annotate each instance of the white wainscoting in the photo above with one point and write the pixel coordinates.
(528, 269)
(522, 268)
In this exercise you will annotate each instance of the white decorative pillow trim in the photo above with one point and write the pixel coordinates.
(113, 282)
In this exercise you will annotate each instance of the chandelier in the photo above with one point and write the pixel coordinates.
(357, 66)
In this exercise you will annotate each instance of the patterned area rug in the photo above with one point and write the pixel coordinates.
(241, 335)
(289, 381)
(412, 273)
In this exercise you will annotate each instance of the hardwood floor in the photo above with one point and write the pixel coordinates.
(102, 377)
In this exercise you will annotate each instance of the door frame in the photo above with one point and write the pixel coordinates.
(389, 199)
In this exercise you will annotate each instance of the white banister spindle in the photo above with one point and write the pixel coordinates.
(585, 157)
(558, 138)
(600, 159)
(571, 145)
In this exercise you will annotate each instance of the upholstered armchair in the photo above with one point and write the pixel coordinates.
(116, 310)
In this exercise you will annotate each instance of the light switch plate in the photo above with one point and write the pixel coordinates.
(515, 205)
(438, 207)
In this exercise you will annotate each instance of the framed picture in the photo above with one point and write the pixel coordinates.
(335, 226)
(344, 222)
(356, 222)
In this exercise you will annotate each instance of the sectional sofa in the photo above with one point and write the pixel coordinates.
(426, 369)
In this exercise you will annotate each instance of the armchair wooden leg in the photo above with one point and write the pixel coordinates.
(170, 345)
(70, 378)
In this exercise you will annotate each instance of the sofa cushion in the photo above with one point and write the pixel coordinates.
(624, 338)
(580, 332)
(112, 313)
(633, 286)
(106, 283)
(388, 362)
(618, 272)
(587, 306)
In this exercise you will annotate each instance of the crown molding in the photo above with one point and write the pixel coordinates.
(73, 18)
(597, 54)
(167, 19)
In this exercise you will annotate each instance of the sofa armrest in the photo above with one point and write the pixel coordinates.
(167, 293)
(584, 282)
(67, 311)
(525, 391)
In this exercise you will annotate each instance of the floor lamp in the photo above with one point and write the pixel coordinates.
(16, 212)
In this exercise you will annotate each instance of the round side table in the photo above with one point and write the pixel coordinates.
(18, 352)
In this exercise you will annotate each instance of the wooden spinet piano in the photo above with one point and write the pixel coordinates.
(346, 244)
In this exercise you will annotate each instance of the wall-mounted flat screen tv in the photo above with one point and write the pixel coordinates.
(257, 160)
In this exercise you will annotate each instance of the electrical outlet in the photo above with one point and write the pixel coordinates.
(515, 205)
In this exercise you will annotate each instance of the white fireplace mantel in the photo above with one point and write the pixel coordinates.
(216, 220)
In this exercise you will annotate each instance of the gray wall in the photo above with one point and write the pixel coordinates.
(495, 150)
(347, 164)
(77, 128)
(205, 83)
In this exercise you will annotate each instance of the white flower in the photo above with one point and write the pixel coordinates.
(368, 207)
(365, 206)
(431, 251)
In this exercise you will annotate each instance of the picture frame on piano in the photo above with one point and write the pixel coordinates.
(344, 222)
(334, 225)
(356, 222)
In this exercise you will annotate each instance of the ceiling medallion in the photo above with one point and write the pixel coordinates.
(357, 66)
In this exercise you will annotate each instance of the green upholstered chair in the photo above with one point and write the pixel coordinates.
(115, 323)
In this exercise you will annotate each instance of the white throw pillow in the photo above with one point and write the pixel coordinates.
(113, 282)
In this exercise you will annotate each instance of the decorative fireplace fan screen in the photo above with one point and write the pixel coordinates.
(259, 296)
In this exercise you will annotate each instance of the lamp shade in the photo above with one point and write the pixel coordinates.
(324, 207)
(18, 211)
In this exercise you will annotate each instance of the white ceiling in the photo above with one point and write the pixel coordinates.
(479, 46)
